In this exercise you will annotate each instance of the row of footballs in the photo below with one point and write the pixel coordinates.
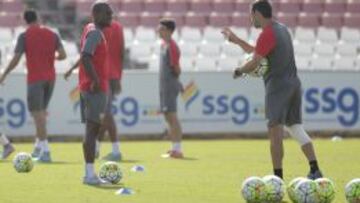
(109, 171)
(271, 189)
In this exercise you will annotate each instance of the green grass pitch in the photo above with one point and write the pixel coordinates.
(212, 171)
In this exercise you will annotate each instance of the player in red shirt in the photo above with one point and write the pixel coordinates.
(115, 42)
(40, 46)
(93, 84)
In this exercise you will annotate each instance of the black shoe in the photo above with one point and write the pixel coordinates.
(315, 175)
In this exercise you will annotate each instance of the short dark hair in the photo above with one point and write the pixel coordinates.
(168, 23)
(30, 16)
(98, 6)
(263, 7)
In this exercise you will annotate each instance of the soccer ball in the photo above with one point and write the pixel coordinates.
(111, 172)
(23, 162)
(326, 190)
(274, 188)
(291, 188)
(261, 70)
(254, 190)
(352, 191)
(307, 191)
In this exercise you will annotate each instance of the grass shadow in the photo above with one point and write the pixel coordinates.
(5, 161)
(57, 163)
(108, 187)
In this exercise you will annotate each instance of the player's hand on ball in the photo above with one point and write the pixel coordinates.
(237, 73)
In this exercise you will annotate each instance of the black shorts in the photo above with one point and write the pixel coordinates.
(39, 95)
(92, 106)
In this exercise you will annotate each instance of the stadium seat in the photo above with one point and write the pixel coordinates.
(309, 20)
(12, 6)
(201, 7)
(223, 6)
(242, 6)
(241, 32)
(6, 36)
(205, 64)
(158, 6)
(232, 51)
(344, 63)
(353, 6)
(303, 49)
(83, 7)
(254, 34)
(352, 20)
(303, 63)
(191, 35)
(335, 6)
(188, 50)
(140, 53)
(228, 64)
(347, 50)
(145, 35)
(289, 7)
(324, 50)
(313, 6)
(305, 35)
(187, 64)
(240, 20)
(321, 63)
(195, 20)
(213, 35)
(128, 37)
(219, 20)
(154, 64)
(332, 20)
(132, 6)
(71, 49)
(175, 6)
(149, 20)
(350, 35)
(289, 20)
(129, 20)
(210, 50)
(327, 35)
(10, 19)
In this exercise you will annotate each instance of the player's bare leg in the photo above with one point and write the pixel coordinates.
(110, 126)
(41, 149)
(277, 149)
(175, 133)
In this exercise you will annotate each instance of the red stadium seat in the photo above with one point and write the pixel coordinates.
(149, 20)
(201, 7)
(309, 20)
(155, 6)
(219, 20)
(313, 6)
(195, 20)
(289, 7)
(132, 6)
(83, 7)
(240, 20)
(288, 19)
(175, 6)
(332, 20)
(10, 19)
(129, 20)
(221, 6)
(352, 20)
(353, 7)
(334, 6)
(242, 6)
(12, 6)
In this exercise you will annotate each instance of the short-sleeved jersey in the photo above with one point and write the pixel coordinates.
(169, 60)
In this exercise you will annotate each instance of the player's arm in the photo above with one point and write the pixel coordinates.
(249, 66)
(69, 72)
(91, 42)
(175, 59)
(118, 88)
(231, 36)
(19, 50)
(61, 54)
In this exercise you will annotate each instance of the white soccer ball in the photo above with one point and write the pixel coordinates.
(291, 188)
(254, 190)
(275, 189)
(261, 70)
(326, 190)
(23, 162)
(352, 191)
(307, 191)
(111, 172)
